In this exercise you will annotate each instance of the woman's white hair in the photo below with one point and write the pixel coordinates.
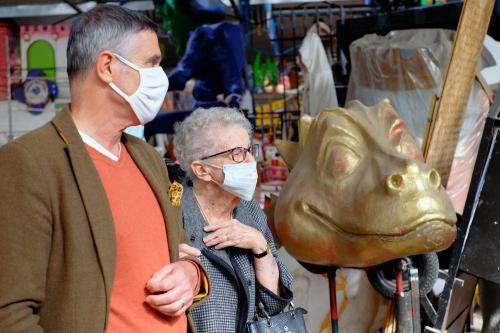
(198, 135)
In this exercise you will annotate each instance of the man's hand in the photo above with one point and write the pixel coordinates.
(186, 250)
(172, 288)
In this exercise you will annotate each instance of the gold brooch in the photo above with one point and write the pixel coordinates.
(175, 193)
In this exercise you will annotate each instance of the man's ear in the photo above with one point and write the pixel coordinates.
(104, 66)
(201, 171)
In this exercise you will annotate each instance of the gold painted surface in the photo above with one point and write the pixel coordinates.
(359, 193)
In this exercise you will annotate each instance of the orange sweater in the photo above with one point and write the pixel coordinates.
(141, 246)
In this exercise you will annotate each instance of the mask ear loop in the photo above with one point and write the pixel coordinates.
(119, 91)
(217, 167)
(213, 166)
(131, 65)
(127, 62)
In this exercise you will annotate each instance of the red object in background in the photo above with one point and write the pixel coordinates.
(267, 201)
(5, 31)
(273, 171)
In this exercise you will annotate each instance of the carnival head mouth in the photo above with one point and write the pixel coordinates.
(360, 192)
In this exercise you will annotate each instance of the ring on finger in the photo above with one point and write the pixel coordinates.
(182, 303)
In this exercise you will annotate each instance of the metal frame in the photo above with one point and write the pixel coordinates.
(488, 141)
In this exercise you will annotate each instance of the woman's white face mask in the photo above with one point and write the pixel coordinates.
(239, 179)
(146, 101)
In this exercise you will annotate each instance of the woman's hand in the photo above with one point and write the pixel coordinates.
(187, 250)
(233, 233)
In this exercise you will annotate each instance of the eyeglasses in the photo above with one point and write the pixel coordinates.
(238, 154)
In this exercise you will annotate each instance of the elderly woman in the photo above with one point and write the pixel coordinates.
(225, 224)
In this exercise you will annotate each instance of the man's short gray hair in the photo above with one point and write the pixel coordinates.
(104, 27)
(198, 135)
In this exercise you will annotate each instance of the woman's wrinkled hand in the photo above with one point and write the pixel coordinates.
(187, 250)
(233, 233)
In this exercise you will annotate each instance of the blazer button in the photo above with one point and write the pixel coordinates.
(249, 282)
(193, 238)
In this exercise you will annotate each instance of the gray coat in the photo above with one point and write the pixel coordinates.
(234, 290)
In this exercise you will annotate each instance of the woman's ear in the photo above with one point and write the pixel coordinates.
(201, 171)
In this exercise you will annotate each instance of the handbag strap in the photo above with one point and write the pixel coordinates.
(262, 310)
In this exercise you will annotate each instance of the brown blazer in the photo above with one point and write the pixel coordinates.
(57, 238)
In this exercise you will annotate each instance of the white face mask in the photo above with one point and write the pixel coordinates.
(239, 179)
(146, 101)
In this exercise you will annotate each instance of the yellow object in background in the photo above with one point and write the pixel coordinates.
(267, 114)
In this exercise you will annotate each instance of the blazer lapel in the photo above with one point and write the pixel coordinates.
(171, 214)
(93, 197)
(193, 224)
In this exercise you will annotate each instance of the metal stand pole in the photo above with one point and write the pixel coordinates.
(407, 302)
(403, 314)
(333, 300)
(415, 300)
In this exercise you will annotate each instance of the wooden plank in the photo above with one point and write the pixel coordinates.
(467, 46)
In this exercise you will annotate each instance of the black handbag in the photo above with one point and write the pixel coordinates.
(291, 321)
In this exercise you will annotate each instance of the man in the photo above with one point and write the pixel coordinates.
(89, 241)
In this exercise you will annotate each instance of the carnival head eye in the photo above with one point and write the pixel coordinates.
(407, 145)
(343, 160)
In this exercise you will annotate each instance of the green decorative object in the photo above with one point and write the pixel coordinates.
(258, 73)
(271, 72)
(177, 23)
(41, 56)
(180, 17)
